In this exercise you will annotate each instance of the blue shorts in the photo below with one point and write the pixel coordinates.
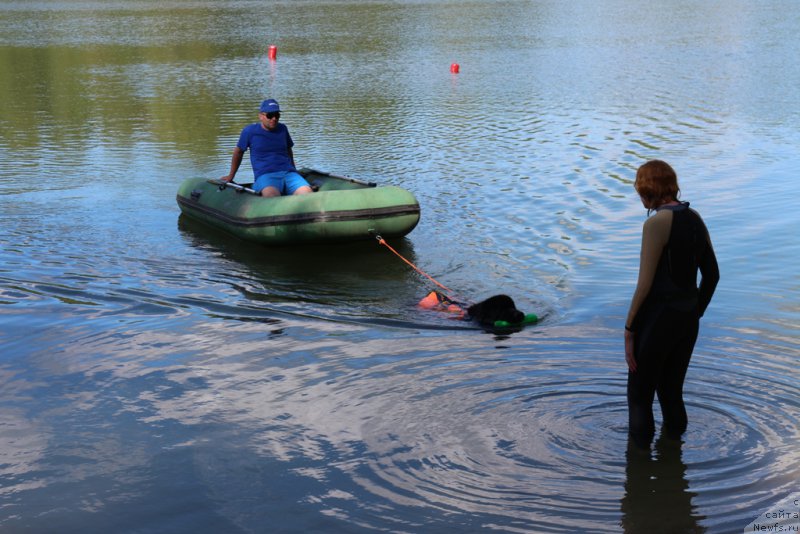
(287, 182)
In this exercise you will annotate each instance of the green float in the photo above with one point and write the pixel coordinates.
(340, 209)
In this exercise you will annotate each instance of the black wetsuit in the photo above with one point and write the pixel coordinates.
(666, 325)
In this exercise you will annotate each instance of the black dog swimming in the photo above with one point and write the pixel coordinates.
(496, 308)
(486, 312)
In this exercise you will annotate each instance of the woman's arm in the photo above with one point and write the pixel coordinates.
(709, 272)
(655, 235)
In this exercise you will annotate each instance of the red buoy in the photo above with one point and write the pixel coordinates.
(454, 68)
(273, 52)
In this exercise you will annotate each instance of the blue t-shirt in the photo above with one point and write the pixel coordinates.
(269, 149)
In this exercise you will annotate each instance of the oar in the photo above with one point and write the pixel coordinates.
(345, 178)
(223, 184)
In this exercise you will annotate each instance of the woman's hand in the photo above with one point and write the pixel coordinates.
(629, 351)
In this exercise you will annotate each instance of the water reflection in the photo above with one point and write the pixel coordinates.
(360, 282)
(157, 373)
(657, 497)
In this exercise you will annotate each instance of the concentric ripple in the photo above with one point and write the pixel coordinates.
(495, 437)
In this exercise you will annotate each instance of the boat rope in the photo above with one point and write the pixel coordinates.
(420, 271)
(452, 305)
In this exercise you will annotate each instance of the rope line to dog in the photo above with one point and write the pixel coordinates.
(529, 318)
(420, 271)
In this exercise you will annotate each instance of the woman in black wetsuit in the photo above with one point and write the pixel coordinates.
(663, 319)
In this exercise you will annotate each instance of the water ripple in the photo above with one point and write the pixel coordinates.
(155, 370)
(500, 436)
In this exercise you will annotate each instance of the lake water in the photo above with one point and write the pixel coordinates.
(157, 376)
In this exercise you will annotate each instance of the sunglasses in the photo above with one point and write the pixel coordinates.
(273, 114)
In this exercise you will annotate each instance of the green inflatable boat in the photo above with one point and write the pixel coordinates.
(340, 209)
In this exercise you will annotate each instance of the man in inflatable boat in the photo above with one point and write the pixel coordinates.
(271, 155)
(498, 311)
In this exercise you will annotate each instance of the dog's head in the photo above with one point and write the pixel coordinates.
(496, 308)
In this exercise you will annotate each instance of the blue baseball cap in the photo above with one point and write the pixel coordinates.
(269, 105)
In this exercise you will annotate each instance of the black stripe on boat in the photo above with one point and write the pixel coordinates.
(304, 218)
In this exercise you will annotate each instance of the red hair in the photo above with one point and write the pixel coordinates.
(657, 183)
